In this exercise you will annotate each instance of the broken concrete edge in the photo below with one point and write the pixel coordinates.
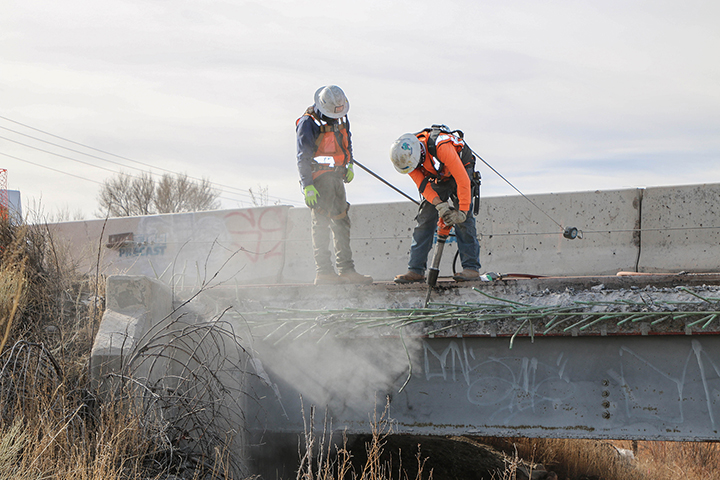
(256, 305)
(134, 304)
(526, 281)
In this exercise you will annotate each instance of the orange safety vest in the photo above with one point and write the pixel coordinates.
(429, 172)
(429, 168)
(333, 141)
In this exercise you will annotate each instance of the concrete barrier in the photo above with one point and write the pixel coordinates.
(681, 229)
(299, 266)
(183, 250)
(517, 236)
(272, 245)
(380, 240)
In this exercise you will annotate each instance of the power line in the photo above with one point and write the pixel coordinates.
(89, 147)
(80, 161)
(49, 168)
(57, 154)
(238, 191)
(226, 187)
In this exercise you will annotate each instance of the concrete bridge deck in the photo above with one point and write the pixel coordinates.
(631, 357)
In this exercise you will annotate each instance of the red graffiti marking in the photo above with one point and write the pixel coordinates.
(255, 232)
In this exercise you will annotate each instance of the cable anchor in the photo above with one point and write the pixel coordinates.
(571, 233)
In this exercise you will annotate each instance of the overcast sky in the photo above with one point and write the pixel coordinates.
(558, 96)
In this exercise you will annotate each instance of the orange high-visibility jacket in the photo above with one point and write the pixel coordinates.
(448, 147)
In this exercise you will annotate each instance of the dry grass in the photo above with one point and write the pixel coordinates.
(588, 459)
(679, 460)
(61, 441)
(46, 427)
(42, 298)
(51, 427)
(13, 286)
(572, 458)
(325, 459)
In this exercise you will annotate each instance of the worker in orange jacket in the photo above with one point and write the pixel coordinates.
(442, 167)
(325, 163)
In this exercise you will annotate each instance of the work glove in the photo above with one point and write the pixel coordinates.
(455, 217)
(311, 195)
(349, 173)
(443, 208)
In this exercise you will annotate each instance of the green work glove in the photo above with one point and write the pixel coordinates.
(349, 173)
(311, 195)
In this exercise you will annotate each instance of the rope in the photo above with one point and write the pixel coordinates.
(385, 182)
(516, 189)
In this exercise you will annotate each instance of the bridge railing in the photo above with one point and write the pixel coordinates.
(663, 229)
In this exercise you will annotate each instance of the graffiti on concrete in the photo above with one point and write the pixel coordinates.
(252, 229)
(245, 245)
(513, 384)
(635, 385)
(652, 390)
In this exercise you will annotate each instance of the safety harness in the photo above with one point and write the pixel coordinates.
(466, 157)
(336, 148)
(333, 140)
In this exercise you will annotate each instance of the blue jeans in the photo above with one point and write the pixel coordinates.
(424, 233)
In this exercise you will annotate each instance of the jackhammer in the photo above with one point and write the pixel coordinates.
(443, 232)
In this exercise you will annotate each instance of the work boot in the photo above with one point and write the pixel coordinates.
(466, 275)
(330, 278)
(410, 277)
(353, 277)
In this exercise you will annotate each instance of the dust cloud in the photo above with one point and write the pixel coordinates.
(347, 375)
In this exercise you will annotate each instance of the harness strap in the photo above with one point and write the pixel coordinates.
(334, 128)
(466, 157)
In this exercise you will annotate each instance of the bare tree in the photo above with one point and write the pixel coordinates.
(142, 189)
(261, 197)
(125, 195)
(180, 194)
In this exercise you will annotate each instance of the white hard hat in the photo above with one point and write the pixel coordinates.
(406, 153)
(331, 101)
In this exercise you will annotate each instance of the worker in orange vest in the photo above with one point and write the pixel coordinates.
(325, 163)
(442, 167)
